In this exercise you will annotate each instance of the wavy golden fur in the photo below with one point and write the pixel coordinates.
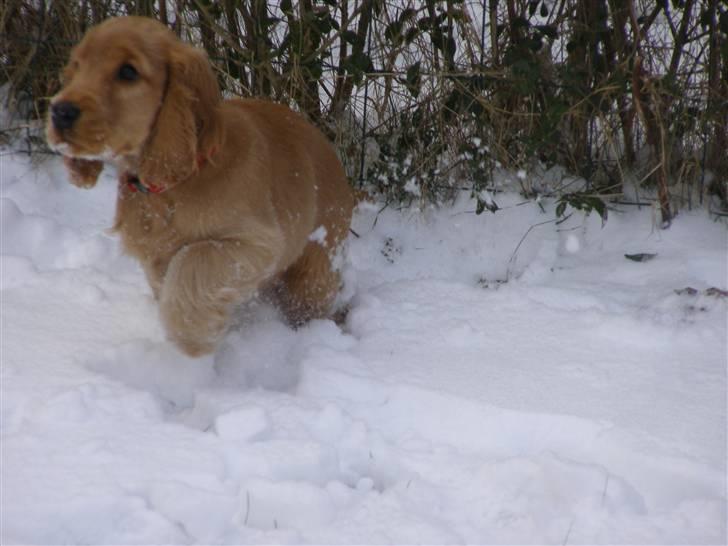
(218, 199)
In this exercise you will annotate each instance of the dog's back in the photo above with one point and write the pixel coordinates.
(308, 186)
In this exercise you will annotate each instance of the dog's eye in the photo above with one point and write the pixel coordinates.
(127, 73)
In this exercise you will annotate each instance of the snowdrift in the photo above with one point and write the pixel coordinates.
(557, 394)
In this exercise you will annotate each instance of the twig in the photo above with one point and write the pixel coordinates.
(511, 261)
(606, 485)
(568, 533)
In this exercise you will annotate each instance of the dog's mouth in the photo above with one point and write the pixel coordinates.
(68, 146)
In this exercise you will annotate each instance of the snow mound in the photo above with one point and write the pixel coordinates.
(499, 379)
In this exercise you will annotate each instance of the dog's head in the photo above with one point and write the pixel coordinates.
(134, 94)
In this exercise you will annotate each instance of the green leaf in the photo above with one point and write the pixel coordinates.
(457, 15)
(406, 15)
(560, 209)
(706, 17)
(322, 23)
(519, 22)
(351, 37)
(535, 43)
(480, 207)
(393, 32)
(443, 42)
(357, 65)
(641, 257)
(412, 33)
(412, 80)
(548, 30)
(601, 208)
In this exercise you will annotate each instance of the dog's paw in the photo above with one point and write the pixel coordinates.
(195, 348)
(196, 330)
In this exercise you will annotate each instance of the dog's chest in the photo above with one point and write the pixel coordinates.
(149, 225)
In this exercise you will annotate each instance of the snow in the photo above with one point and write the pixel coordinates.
(318, 235)
(557, 394)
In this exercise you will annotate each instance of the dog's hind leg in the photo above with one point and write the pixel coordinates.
(309, 286)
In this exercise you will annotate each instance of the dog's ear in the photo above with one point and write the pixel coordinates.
(83, 172)
(188, 128)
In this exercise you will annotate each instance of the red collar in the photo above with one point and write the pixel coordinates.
(136, 185)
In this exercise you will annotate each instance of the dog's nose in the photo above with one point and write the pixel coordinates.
(64, 114)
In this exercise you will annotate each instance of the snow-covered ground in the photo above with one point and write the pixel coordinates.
(582, 401)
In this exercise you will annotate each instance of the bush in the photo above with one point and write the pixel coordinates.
(425, 97)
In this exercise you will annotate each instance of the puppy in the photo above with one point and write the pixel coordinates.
(219, 200)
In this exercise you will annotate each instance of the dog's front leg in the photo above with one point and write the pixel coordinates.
(205, 281)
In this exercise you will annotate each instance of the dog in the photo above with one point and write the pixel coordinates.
(219, 200)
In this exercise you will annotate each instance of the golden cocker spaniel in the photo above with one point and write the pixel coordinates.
(219, 200)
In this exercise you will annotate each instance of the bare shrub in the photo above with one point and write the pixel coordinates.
(426, 97)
